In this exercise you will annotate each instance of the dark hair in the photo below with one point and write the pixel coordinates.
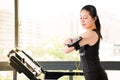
(93, 13)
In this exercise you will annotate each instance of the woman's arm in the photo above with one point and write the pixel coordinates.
(72, 44)
(66, 48)
(89, 38)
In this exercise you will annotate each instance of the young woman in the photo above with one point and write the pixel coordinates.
(88, 45)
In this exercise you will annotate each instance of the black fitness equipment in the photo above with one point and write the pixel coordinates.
(23, 63)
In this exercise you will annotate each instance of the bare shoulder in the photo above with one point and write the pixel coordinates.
(93, 37)
(89, 34)
(93, 34)
(90, 37)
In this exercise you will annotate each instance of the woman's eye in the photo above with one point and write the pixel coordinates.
(85, 18)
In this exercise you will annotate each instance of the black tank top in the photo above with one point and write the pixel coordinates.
(89, 56)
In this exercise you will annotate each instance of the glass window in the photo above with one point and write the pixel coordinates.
(6, 34)
(109, 17)
(6, 27)
(44, 25)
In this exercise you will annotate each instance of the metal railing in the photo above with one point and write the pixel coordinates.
(61, 65)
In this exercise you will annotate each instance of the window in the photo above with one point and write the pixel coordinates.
(6, 33)
(6, 27)
(45, 25)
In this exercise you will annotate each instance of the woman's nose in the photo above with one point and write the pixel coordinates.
(82, 20)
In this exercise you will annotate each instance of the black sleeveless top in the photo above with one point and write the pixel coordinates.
(89, 56)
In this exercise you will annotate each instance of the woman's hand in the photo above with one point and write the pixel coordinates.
(68, 49)
(68, 41)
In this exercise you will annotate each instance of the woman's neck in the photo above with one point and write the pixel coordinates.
(91, 28)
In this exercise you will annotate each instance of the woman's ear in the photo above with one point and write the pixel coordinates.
(95, 18)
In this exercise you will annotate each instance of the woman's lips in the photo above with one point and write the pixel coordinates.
(83, 24)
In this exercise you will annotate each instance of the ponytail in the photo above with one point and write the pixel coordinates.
(98, 26)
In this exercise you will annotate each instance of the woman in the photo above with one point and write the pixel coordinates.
(88, 45)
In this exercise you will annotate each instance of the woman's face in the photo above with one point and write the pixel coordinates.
(86, 20)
